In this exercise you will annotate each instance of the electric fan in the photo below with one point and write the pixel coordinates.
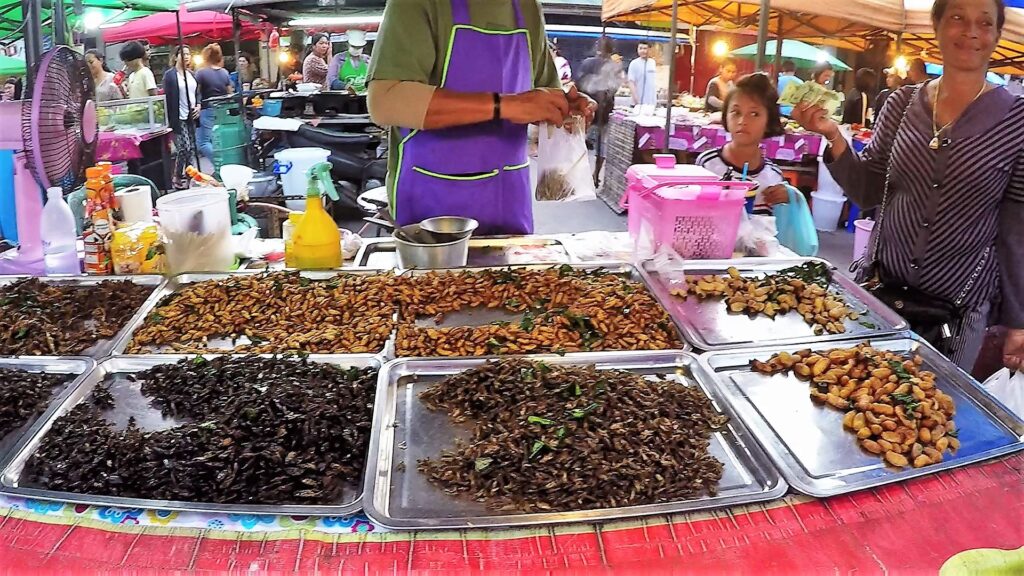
(53, 136)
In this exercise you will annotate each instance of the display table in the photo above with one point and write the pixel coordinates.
(147, 152)
(696, 138)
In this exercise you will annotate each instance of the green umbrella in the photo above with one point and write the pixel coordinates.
(11, 66)
(801, 53)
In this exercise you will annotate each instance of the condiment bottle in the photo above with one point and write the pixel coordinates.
(316, 241)
(97, 248)
(287, 230)
(201, 178)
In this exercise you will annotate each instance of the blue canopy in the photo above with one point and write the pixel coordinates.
(936, 69)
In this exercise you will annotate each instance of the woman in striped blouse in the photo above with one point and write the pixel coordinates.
(953, 224)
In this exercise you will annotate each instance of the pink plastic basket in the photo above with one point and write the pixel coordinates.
(699, 219)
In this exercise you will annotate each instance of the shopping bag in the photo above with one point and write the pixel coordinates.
(1008, 388)
(795, 224)
(563, 164)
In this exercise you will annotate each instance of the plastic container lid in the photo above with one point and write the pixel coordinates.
(95, 172)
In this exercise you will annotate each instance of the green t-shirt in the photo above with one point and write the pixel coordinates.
(413, 40)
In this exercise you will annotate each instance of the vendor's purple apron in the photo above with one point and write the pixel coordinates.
(482, 170)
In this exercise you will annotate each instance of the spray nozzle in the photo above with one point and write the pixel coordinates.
(320, 182)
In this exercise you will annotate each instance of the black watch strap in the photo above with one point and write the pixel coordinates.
(497, 106)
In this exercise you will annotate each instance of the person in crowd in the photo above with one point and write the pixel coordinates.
(751, 114)
(859, 102)
(892, 82)
(600, 77)
(214, 82)
(459, 85)
(719, 86)
(917, 73)
(823, 74)
(348, 70)
(946, 168)
(141, 82)
(102, 77)
(314, 66)
(787, 76)
(10, 90)
(181, 91)
(244, 74)
(561, 64)
(642, 76)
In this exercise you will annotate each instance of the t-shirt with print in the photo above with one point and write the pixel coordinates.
(140, 83)
(766, 176)
(413, 41)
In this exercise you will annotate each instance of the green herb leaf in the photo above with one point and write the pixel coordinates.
(866, 324)
(560, 351)
(954, 433)
(527, 322)
(500, 323)
(199, 361)
(561, 432)
(21, 333)
(539, 420)
(579, 413)
(155, 318)
(899, 370)
(513, 303)
(543, 367)
(565, 270)
(303, 281)
(526, 374)
(578, 390)
(482, 463)
(537, 447)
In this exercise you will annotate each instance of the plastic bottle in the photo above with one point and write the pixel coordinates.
(60, 239)
(316, 241)
(201, 178)
(287, 229)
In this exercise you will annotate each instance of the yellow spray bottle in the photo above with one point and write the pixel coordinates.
(316, 240)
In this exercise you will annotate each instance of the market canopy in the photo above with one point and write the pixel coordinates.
(801, 53)
(12, 19)
(162, 28)
(843, 23)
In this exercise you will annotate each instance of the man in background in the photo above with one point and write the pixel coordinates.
(787, 77)
(642, 77)
(600, 78)
(917, 73)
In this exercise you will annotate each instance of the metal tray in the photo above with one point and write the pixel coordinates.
(484, 316)
(708, 325)
(405, 431)
(79, 367)
(129, 402)
(105, 347)
(176, 283)
(483, 251)
(807, 442)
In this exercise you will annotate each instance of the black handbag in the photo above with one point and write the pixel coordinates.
(931, 317)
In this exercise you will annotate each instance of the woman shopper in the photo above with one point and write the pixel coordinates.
(823, 75)
(946, 168)
(141, 82)
(214, 82)
(102, 77)
(859, 101)
(243, 74)
(314, 67)
(182, 93)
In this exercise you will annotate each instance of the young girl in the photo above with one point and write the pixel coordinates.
(750, 114)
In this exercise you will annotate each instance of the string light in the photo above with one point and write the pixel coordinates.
(720, 49)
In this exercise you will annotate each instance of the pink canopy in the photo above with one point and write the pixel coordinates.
(161, 28)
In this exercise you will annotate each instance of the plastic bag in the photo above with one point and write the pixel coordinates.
(756, 235)
(563, 164)
(1008, 388)
(795, 225)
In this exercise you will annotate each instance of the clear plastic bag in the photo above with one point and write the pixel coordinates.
(563, 165)
(756, 236)
(1008, 388)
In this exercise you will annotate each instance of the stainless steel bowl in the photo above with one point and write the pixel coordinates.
(447, 255)
(263, 184)
(450, 225)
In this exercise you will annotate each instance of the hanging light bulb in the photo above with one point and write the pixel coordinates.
(720, 48)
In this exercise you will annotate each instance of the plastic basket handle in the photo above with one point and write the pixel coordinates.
(282, 167)
(719, 184)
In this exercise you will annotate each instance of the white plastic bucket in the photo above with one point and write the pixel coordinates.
(861, 236)
(826, 209)
(292, 165)
(197, 224)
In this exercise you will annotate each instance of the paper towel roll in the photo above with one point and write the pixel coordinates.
(136, 204)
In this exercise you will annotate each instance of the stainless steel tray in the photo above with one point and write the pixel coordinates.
(708, 325)
(103, 348)
(807, 442)
(176, 283)
(484, 316)
(79, 367)
(129, 402)
(483, 251)
(396, 495)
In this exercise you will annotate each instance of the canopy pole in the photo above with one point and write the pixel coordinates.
(236, 29)
(693, 56)
(60, 27)
(671, 74)
(33, 40)
(778, 47)
(188, 96)
(762, 34)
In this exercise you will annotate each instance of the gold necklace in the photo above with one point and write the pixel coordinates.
(935, 143)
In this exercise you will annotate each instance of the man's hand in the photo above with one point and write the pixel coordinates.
(536, 106)
(777, 194)
(581, 105)
(1013, 349)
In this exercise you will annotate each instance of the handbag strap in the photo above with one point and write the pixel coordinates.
(972, 279)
